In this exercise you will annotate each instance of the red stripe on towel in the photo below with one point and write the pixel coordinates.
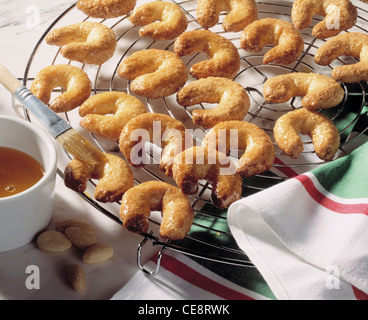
(360, 295)
(328, 203)
(199, 280)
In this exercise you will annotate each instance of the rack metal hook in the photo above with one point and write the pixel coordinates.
(139, 256)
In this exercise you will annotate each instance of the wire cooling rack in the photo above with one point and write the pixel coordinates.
(209, 237)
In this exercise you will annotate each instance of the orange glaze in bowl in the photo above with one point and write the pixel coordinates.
(18, 171)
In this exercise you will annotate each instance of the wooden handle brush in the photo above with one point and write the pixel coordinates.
(70, 139)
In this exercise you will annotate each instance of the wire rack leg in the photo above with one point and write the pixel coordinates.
(139, 258)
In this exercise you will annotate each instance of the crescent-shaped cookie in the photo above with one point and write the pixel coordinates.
(114, 177)
(154, 73)
(72, 79)
(324, 134)
(160, 20)
(239, 13)
(106, 9)
(85, 42)
(318, 91)
(354, 44)
(138, 202)
(157, 128)
(258, 150)
(223, 57)
(287, 41)
(106, 114)
(339, 15)
(198, 163)
(233, 100)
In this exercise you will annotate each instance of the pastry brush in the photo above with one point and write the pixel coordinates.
(72, 141)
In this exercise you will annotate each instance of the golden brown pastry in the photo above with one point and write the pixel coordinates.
(240, 13)
(339, 15)
(233, 100)
(287, 41)
(224, 59)
(160, 129)
(73, 80)
(161, 20)
(319, 91)
(106, 114)
(323, 132)
(154, 73)
(114, 177)
(138, 202)
(259, 152)
(201, 163)
(85, 42)
(354, 44)
(106, 9)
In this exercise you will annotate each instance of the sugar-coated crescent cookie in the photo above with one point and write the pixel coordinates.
(154, 73)
(106, 114)
(114, 177)
(160, 129)
(138, 202)
(224, 59)
(161, 20)
(339, 15)
(287, 41)
(259, 152)
(319, 91)
(324, 134)
(233, 100)
(106, 9)
(202, 163)
(354, 44)
(72, 79)
(85, 42)
(240, 13)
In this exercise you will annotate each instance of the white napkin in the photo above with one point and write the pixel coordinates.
(308, 236)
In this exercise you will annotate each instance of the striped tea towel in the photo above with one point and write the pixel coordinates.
(308, 236)
(183, 278)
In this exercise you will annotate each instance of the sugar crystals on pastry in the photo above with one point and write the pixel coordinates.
(287, 41)
(85, 42)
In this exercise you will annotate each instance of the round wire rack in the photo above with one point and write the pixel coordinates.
(210, 237)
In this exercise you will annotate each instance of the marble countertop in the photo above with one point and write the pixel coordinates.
(22, 23)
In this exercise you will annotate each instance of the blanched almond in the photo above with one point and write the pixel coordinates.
(67, 223)
(80, 238)
(77, 278)
(98, 253)
(53, 241)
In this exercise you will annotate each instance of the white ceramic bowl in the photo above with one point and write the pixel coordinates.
(24, 214)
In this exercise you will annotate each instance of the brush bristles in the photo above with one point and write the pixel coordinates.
(80, 147)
